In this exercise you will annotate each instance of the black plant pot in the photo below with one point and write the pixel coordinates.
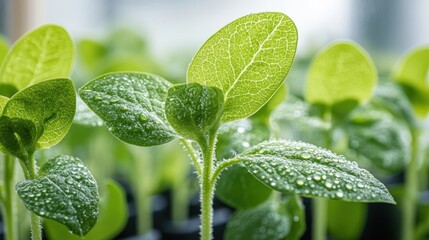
(189, 229)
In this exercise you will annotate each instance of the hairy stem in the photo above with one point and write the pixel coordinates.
(36, 227)
(194, 157)
(207, 190)
(222, 166)
(411, 189)
(9, 203)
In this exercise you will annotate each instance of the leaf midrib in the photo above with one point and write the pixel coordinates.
(253, 58)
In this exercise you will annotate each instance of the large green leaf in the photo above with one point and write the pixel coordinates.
(64, 191)
(4, 47)
(131, 105)
(194, 111)
(311, 171)
(248, 59)
(269, 221)
(111, 220)
(50, 105)
(413, 74)
(341, 72)
(44, 53)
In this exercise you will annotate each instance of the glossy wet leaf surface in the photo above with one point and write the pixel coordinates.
(194, 111)
(111, 220)
(45, 53)
(248, 59)
(340, 72)
(266, 222)
(50, 111)
(64, 191)
(131, 105)
(311, 171)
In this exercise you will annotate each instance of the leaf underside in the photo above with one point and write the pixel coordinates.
(131, 105)
(64, 191)
(311, 171)
(248, 59)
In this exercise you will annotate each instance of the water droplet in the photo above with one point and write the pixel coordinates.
(300, 181)
(240, 130)
(360, 185)
(339, 194)
(114, 100)
(328, 184)
(316, 178)
(273, 184)
(349, 186)
(143, 118)
(305, 156)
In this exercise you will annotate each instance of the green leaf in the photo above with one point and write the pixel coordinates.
(131, 105)
(266, 222)
(111, 220)
(239, 189)
(49, 111)
(413, 75)
(4, 47)
(376, 137)
(44, 53)
(311, 171)
(295, 209)
(64, 191)
(3, 101)
(84, 116)
(91, 53)
(236, 186)
(341, 72)
(248, 59)
(346, 220)
(278, 98)
(194, 111)
(19, 137)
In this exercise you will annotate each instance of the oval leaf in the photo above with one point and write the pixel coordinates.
(311, 171)
(341, 72)
(64, 191)
(111, 220)
(42, 104)
(44, 53)
(248, 59)
(131, 105)
(194, 110)
(266, 222)
(413, 75)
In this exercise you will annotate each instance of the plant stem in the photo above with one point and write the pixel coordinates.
(320, 205)
(411, 188)
(194, 157)
(222, 166)
(36, 227)
(9, 207)
(319, 218)
(207, 190)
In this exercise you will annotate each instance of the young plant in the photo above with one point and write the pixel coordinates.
(231, 77)
(34, 117)
(412, 76)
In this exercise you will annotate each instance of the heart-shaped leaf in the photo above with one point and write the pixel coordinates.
(111, 220)
(311, 171)
(64, 191)
(413, 74)
(341, 72)
(42, 104)
(269, 221)
(248, 59)
(131, 105)
(44, 53)
(194, 110)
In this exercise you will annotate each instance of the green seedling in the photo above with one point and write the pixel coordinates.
(231, 77)
(34, 117)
